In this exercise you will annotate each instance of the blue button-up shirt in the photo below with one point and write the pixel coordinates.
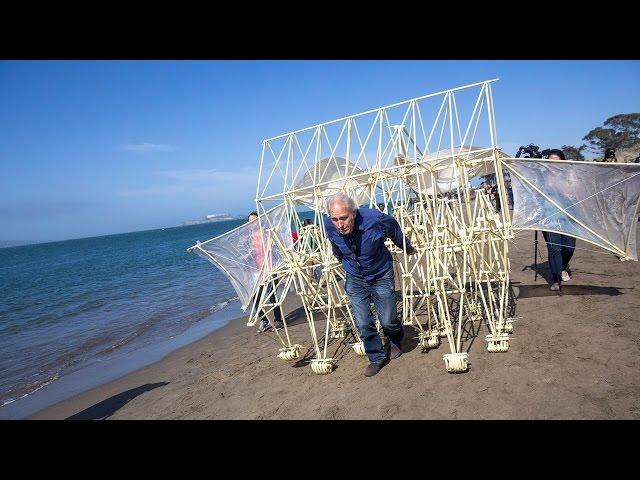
(362, 252)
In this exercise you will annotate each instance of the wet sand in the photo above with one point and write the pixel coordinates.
(571, 356)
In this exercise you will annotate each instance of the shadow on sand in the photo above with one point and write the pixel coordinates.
(106, 408)
(542, 290)
(543, 271)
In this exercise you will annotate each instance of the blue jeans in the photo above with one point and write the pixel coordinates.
(382, 292)
(560, 249)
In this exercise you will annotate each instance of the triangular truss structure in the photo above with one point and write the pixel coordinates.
(419, 158)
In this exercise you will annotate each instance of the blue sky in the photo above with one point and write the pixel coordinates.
(98, 147)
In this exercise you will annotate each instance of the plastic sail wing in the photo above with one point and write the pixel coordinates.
(592, 201)
(479, 161)
(277, 221)
(240, 253)
(329, 173)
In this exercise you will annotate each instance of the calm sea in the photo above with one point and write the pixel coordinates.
(68, 306)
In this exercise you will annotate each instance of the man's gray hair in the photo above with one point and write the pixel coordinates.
(341, 197)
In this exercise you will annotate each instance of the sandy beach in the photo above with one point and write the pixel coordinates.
(571, 356)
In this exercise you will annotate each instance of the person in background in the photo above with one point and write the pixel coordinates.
(257, 247)
(308, 244)
(496, 197)
(487, 189)
(610, 156)
(560, 248)
(507, 184)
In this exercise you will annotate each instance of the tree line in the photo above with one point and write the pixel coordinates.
(621, 131)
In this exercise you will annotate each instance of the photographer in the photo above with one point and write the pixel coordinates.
(610, 156)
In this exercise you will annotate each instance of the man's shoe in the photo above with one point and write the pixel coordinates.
(374, 367)
(279, 325)
(264, 326)
(555, 287)
(565, 276)
(394, 351)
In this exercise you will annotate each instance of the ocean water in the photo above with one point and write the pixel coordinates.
(74, 305)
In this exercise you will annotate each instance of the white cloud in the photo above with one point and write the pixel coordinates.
(200, 182)
(148, 147)
(144, 192)
(213, 175)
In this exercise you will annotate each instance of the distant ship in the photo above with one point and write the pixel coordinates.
(215, 217)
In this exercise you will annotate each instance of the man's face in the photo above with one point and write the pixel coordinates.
(554, 156)
(342, 218)
(253, 217)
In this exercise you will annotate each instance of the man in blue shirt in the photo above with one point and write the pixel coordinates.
(357, 238)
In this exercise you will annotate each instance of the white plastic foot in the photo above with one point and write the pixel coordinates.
(290, 353)
(498, 343)
(508, 326)
(474, 311)
(455, 362)
(339, 330)
(429, 340)
(358, 347)
(322, 366)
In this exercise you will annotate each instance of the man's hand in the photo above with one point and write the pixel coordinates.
(411, 251)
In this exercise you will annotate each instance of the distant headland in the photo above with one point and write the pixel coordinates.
(16, 243)
(216, 217)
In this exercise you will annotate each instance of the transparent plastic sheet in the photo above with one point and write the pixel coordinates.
(601, 197)
(331, 172)
(479, 161)
(278, 221)
(240, 253)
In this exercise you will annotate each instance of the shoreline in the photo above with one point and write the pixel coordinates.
(130, 381)
(571, 356)
(102, 372)
(105, 304)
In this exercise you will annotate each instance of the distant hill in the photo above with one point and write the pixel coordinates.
(214, 218)
(14, 243)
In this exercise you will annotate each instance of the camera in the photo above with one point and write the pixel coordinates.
(532, 151)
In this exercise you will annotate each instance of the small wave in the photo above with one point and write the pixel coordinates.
(29, 388)
(219, 306)
(75, 354)
(141, 328)
(89, 306)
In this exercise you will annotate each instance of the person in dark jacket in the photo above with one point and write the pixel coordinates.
(357, 238)
(560, 248)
